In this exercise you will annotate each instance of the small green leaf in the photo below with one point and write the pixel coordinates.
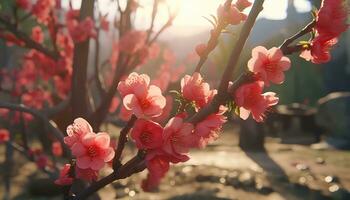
(237, 111)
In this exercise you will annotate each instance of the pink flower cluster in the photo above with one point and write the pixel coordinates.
(269, 67)
(330, 23)
(41, 10)
(79, 30)
(194, 89)
(171, 143)
(233, 15)
(92, 150)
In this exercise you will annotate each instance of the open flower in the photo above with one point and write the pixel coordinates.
(76, 131)
(147, 134)
(269, 64)
(208, 130)
(194, 88)
(134, 84)
(157, 166)
(93, 151)
(250, 100)
(243, 4)
(331, 18)
(330, 23)
(319, 50)
(150, 104)
(64, 178)
(178, 137)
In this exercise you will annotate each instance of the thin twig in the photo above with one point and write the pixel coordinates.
(134, 165)
(153, 17)
(213, 40)
(121, 142)
(222, 95)
(286, 49)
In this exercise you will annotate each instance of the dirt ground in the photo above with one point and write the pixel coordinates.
(221, 171)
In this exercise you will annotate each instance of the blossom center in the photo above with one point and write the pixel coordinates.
(145, 137)
(145, 103)
(271, 67)
(92, 151)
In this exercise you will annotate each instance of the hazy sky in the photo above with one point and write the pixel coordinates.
(191, 12)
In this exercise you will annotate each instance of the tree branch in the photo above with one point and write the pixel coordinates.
(121, 142)
(134, 165)
(213, 40)
(79, 99)
(29, 43)
(98, 80)
(46, 122)
(286, 49)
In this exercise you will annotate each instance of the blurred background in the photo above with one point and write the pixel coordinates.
(301, 152)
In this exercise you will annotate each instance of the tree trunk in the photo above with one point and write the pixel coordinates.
(79, 99)
(251, 136)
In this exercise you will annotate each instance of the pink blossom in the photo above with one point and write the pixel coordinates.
(330, 23)
(157, 166)
(11, 39)
(178, 137)
(37, 98)
(232, 15)
(243, 4)
(4, 135)
(208, 130)
(150, 104)
(169, 56)
(250, 100)
(77, 131)
(147, 134)
(80, 30)
(134, 84)
(42, 8)
(23, 4)
(37, 34)
(124, 114)
(132, 41)
(331, 18)
(93, 151)
(269, 64)
(166, 111)
(56, 149)
(154, 51)
(194, 88)
(318, 51)
(64, 178)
